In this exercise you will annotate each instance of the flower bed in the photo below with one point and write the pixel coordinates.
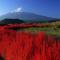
(27, 46)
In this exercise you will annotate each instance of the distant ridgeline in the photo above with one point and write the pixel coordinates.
(18, 21)
(54, 20)
(11, 21)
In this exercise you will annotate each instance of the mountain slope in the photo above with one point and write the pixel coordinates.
(25, 16)
(11, 21)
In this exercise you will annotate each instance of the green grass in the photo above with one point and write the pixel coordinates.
(51, 31)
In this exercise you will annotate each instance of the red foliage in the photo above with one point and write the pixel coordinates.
(25, 25)
(27, 46)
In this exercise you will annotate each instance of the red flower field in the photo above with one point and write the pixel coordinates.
(28, 46)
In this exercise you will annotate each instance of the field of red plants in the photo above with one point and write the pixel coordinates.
(25, 25)
(28, 46)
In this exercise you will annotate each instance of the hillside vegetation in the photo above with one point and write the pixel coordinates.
(51, 27)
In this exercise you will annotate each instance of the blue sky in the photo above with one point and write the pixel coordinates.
(49, 8)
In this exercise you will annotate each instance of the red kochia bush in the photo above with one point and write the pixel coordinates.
(52, 48)
(39, 39)
(24, 41)
(6, 39)
(46, 47)
(27, 46)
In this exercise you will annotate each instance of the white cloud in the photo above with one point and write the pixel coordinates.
(17, 10)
